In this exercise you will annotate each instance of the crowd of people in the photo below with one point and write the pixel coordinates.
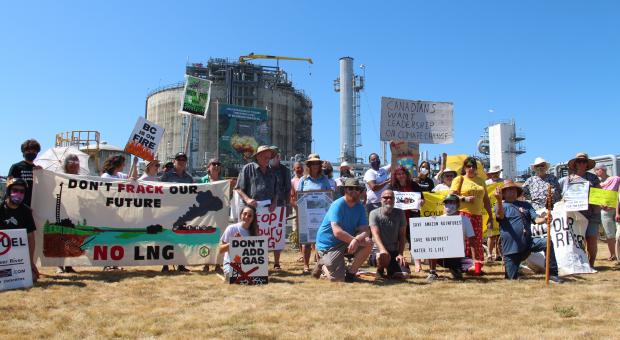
(362, 223)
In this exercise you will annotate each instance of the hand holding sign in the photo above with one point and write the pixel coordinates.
(144, 139)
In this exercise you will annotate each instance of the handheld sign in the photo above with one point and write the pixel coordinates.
(144, 139)
(272, 225)
(416, 121)
(437, 237)
(576, 196)
(15, 270)
(196, 96)
(608, 198)
(407, 200)
(248, 260)
(311, 209)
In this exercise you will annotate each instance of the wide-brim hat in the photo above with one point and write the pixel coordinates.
(345, 164)
(351, 183)
(155, 161)
(539, 161)
(264, 148)
(494, 169)
(451, 198)
(447, 171)
(581, 155)
(314, 159)
(511, 184)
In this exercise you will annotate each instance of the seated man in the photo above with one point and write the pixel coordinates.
(389, 231)
(15, 214)
(455, 265)
(514, 219)
(344, 230)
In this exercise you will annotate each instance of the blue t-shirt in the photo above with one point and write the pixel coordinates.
(308, 183)
(347, 218)
(515, 228)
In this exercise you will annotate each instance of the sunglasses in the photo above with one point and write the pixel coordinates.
(181, 159)
(387, 197)
(582, 161)
(449, 176)
(216, 164)
(469, 166)
(353, 188)
(22, 191)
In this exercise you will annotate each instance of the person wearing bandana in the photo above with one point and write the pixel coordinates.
(14, 214)
(23, 169)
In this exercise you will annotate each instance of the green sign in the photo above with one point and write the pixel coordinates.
(241, 130)
(196, 96)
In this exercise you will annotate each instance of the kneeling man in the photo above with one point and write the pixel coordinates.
(344, 230)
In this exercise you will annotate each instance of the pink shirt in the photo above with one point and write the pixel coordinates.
(611, 183)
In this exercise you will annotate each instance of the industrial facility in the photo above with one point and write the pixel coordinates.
(349, 85)
(237, 83)
(500, 146)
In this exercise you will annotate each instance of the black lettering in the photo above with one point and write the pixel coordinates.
(168, 252)
(72, 183)
(136, 254)
(152, 252)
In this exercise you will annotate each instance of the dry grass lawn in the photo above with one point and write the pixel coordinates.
(144, 303)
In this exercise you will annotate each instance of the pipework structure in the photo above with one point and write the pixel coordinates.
(349, 85)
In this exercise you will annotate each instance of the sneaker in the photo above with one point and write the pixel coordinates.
(205, 268)
(432, 277)
(60, 270)
(181, 268)
(457, 274)
(555, 279)
(69, 269)
(317, 270)
(350, 277)
(165, 269)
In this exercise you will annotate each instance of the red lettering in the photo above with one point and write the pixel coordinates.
(149, 189)
(117, 253)
(159, 189)
(100, 253)
(140, 189)
(130, 188)
(121, 187)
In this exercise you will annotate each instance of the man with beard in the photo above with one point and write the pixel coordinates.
(389, 231)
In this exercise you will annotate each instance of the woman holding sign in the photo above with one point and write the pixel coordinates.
(472, 192)
(247, 227)
(314, 179)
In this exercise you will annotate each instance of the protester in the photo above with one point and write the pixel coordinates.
(377, 178)
(70, 165)
(472, 192)
(608, 214)
(169, 167)
(401, 181)
(446, 177)
(30, 150)
(515, 218)
(15, 214)
(454, 265)
(150, 171)
(344, 230)
(257, 185)
(579, 167)
(314, 179)
(283, 188)
(424, 177)
(113, 165)
(328, 171)
(536, 187)
(177, 175)
(247, 227)
(214, 167)
(298, 172)
(493, 175)
(388, 226)
(345, 172)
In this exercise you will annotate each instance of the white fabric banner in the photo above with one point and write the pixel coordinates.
(92, 221)
(568, 230)
(273, 225)
(15, 270)
(437, 237)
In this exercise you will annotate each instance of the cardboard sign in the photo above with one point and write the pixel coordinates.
(94, 221)
(407, 200)
(405, 154)
(437, 237)
(196, 96)
(15, 270)
(576, 196)
(249, 260)
(416, 121)
(272, 225)
(144, 139)
(603, 197)
(311, 209)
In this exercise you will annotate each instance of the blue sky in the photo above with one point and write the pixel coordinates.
(552, 66)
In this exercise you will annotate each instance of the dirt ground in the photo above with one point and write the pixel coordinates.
(144, 303)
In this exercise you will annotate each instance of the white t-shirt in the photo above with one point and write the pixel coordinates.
(379, 176)
(468, 229)
(228, 234)
(119, 175)
(148, 178)
(440, 187)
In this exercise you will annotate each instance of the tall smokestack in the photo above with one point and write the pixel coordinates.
(347, 133)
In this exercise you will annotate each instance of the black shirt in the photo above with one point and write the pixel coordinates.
(20, 218)
(23, 170)
(426, 184)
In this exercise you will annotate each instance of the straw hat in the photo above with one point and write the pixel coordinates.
(263, 148)
(448, 170)
(572, 164)
(314, 159)
(494, 169)
(511, 184)
(539, 161)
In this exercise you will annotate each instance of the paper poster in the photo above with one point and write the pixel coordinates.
(433, 203)
(15, 270)
(144, 139)
(416, 121)
(249, 260)
(93, 221)
(407, 200)
(607, 198)
(311, 209)
(437, 237)
(576, 196)
(273, 225)
(196, 96)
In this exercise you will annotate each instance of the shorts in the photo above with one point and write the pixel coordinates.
(393, 266)
(608, 220)
(333, 260)
(592, 229)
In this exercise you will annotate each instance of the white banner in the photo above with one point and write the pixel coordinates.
(272, 225)
(407, 200)
(249, 260)
(437, 237)
(416, 121)
(15, 270)
(144, 139)
(311, 209)
(568, 230)
(92, 221)
(576, 196)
